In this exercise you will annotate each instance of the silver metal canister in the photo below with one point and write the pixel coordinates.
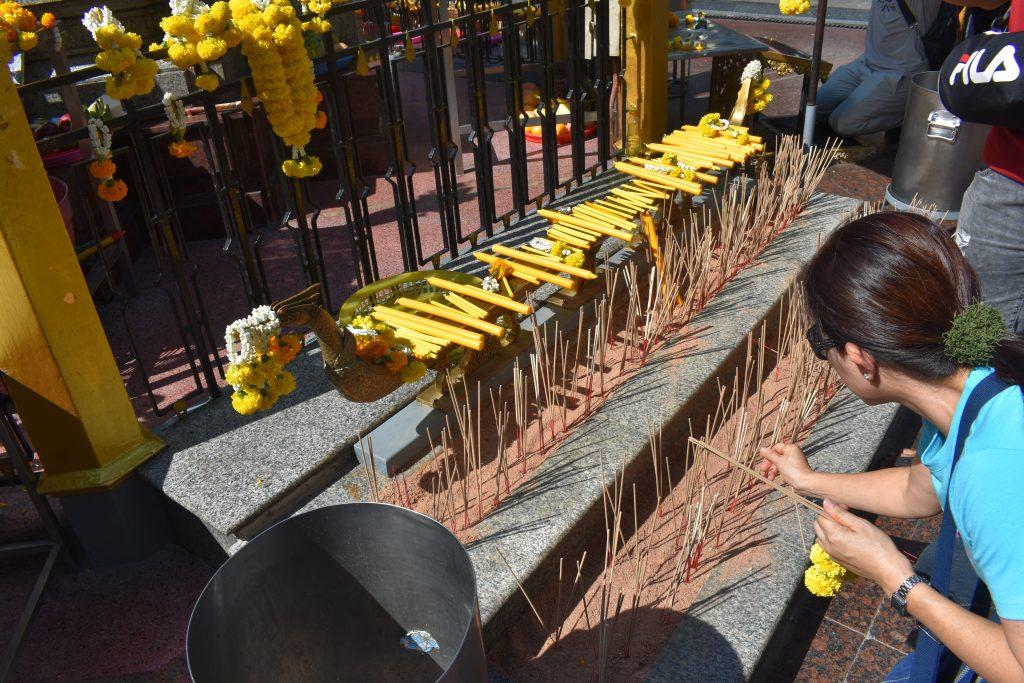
(938, 153)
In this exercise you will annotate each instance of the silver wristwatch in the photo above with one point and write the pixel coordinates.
(898, 599)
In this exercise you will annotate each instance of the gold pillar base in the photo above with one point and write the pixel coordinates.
(106, 476)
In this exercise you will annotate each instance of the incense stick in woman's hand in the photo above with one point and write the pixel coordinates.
(784, 491)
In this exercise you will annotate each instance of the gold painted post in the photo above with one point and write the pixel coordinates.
(646, 55)
(59, 368)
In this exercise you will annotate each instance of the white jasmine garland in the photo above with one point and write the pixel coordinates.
(99, 137)
(752, 71)
(97, 17)
(252, 334)
(490, 284)
(175, 111)
(541, 244)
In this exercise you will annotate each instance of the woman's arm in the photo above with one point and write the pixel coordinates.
(995, 651)
(894, 491)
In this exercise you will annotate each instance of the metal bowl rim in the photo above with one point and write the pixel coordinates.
(472, 569)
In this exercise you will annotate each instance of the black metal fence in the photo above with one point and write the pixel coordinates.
(405, 184)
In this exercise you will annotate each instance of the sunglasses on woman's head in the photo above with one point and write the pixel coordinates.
(820, 344)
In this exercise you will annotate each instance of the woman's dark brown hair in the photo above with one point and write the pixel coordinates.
(891, 283)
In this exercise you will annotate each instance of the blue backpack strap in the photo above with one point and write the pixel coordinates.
(927, 656)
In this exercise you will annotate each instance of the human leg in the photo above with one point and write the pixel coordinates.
(838, 87)
(991, 233)
(877, 104)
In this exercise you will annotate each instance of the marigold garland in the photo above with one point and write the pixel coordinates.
(19, 28)
(196, 33)
(282, 72)
(104, 168)
(131, 74)
(256, 370)
(794, 6)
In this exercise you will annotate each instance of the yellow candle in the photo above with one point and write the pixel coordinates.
(454, 316)
(615, 208)
(466, 306)
(659, 178)
(604, 229)
(480, 295)
(617, 221)
(450, 333)
(546, 262)
(563, 282)
(556, 234)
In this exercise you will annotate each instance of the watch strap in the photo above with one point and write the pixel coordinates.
(898, 599)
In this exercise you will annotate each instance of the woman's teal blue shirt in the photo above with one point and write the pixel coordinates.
(987, 499)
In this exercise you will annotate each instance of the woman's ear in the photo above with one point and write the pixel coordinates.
(862, 360)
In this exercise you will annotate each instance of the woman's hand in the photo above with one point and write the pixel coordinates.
(788, 460)
(861, 547)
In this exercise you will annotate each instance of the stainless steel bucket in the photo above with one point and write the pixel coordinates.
(329, 595)
(938, 153)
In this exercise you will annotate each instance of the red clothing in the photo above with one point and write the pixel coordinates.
(1004, 148)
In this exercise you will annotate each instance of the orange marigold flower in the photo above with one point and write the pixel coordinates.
(321, 119)
(318, 97)
(181, 149)
(48, 20)
(112, 190)
(371, 348)
(396, 360)
(284, 347)
(103, 168)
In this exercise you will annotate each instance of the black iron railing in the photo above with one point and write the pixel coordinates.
(170, 293)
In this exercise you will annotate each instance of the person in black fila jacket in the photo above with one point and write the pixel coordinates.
(983, 81)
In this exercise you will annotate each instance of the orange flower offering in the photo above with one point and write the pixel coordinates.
(181, 149)
(103, 168)
(112, 190)
(19, 27)
(396, 360)
(284, 347)
(370, 347)
(321, 119)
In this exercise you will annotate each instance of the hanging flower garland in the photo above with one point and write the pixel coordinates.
(19, 27)
(258, 352)
(759, 84)
(131, 74)
(282, 72)
(794, 6)
(321, 115)
(104, 168)
(196, 33)
(175, 110)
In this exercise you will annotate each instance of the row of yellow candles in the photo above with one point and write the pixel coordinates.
(614, 215)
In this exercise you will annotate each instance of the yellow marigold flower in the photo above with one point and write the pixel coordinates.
(824, 562)
(179, 26)
(47, 20)
(558, 248)
(282, 383)
(27, 40)
(821, 584)
(363, 322)
(284, 347)
(576, 258)
(500, 269)
(794, 6)
(109, 36)
(246, 402)
(707, 123)
(183, 55)
(414, 371)
(211, 49)
(243, 375)
(268, 398)
(316, 25)
(208, 81)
